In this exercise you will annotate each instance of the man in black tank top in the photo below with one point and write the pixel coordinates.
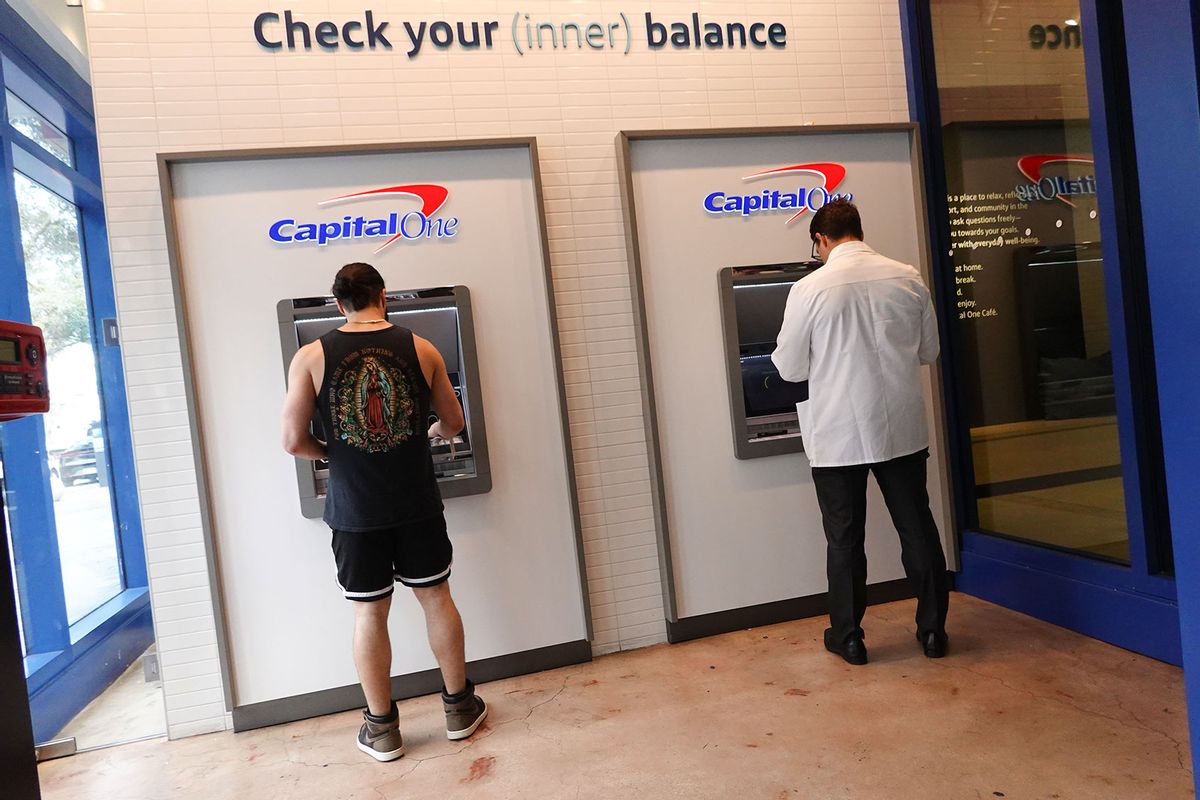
(375, 386)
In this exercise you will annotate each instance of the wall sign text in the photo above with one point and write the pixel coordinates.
(797, 200)
(1054, 37)
(410, 226)
(289, 31)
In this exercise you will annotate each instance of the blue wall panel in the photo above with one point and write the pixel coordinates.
(1141, 623)
(1160, 41)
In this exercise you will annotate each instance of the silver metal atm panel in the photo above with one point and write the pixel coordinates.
(441, 315)
(762, 406)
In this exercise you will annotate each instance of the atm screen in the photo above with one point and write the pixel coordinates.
(759, 316)
(762, 404)
(438, 325)
(760, 311)
(767, 393)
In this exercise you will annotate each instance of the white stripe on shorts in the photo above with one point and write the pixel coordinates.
(359, 595)
(430, 579)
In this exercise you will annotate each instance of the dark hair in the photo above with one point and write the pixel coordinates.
(357, 285)
(837, 219)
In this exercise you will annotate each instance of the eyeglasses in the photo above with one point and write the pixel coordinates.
(815, 255)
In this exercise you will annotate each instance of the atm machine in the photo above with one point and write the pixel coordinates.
(1066, 362)
(443, 316)
(762, 406)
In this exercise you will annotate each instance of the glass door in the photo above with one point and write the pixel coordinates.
(1032, 320)
(76, 454)
(1034, 295)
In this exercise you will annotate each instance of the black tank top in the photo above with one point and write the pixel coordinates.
(374, 406)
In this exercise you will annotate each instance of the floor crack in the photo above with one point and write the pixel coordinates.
(1184, 762)
(1140, 725)
(491, 730)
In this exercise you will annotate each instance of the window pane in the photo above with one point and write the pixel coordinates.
(83, 504)
(1032, 316)
(40, 129)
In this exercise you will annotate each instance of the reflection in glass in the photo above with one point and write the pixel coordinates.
(83, 506)
(1032, 315)
(41, 130)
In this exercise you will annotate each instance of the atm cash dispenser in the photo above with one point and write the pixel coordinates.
(441, 315)
(762, 405)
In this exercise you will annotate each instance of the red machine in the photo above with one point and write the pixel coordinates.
(23, 388)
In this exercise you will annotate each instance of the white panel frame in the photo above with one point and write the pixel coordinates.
(691, 616)
(327, 699)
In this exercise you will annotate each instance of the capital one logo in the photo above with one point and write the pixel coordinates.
(1053, 187)
(399, 225)
(795, 198)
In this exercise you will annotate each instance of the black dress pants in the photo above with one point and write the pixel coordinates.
(842, 495)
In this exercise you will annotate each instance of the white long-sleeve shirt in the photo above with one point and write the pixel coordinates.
(858, 330)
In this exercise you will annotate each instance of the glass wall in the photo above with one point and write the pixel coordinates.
(66, 477)
(75, 437)
(1031, 315)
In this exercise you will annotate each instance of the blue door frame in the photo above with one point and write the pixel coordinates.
(1134, 607)
(1162, 45)
(70, 664)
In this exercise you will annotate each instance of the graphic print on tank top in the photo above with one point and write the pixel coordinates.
(372, 401)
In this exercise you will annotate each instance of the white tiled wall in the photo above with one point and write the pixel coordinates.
(173, 75)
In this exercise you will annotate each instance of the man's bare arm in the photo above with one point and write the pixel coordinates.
(298, 408)
(443, 400)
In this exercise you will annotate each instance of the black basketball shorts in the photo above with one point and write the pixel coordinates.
(416, 554)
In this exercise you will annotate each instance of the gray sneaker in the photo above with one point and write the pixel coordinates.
(464, 716)
(381, 740)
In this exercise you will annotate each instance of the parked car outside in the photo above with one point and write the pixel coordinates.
(77, 462)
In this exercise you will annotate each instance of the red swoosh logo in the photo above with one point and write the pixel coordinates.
(432, 198)
(1031, 167)
(831, 174)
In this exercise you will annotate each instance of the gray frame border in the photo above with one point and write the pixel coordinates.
(624, 145)
(165, 163)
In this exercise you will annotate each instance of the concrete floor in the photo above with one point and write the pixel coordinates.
(1020, 709)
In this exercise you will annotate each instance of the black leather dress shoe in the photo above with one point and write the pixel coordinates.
(853, 651)
(933, 643)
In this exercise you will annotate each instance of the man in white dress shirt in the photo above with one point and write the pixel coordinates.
(858, 330)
